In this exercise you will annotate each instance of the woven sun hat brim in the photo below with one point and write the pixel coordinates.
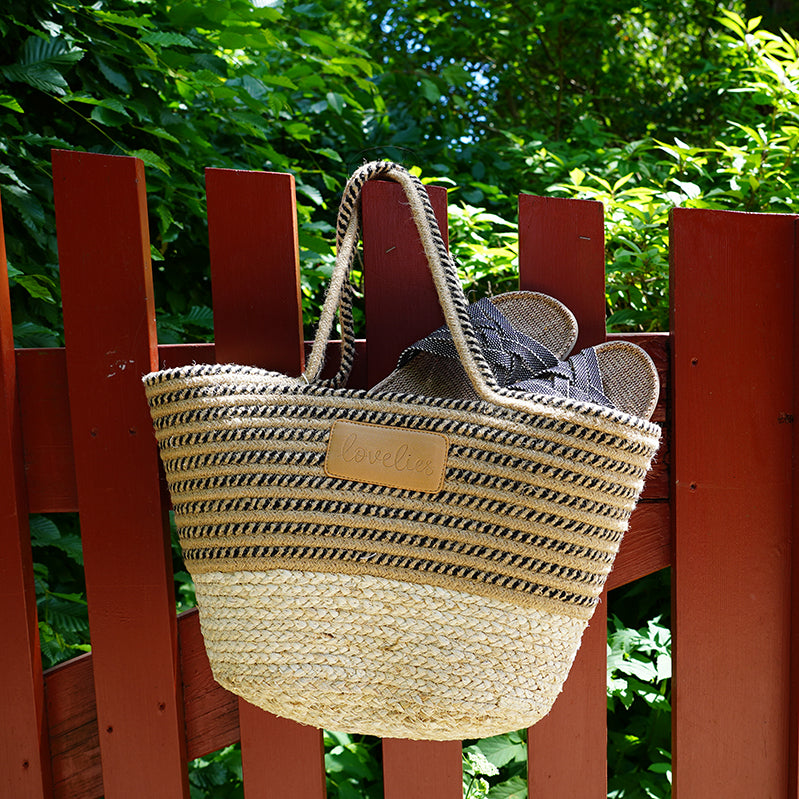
(538, 316)
(629, 377)
(541, 317)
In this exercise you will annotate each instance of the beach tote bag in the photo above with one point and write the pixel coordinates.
(386, 563)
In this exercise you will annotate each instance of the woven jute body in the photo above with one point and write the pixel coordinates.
(450, 611)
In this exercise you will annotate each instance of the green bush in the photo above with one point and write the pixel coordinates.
(183, 86)
(639, 690)
(60, 588)
(750, 165)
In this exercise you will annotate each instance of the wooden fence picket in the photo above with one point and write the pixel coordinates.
(26, 768)
(562, 253)
(733, 383)
(401, 304)
(793, 710)
(255, 280)
(109, 322)
(401, 307)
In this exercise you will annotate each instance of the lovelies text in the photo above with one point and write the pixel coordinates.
(388, 456)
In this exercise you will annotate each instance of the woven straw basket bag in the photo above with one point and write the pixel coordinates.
(385, 563)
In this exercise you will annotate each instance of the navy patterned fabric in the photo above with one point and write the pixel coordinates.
(512, 355)
(577, 377)
(518, 361)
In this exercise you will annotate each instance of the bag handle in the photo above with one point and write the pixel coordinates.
(442, 267)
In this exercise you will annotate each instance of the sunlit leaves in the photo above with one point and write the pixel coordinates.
(40, 62)
(182, 86)
(639, 693)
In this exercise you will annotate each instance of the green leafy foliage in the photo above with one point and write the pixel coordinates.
(639, 690)
(352, 766)
(746, 163)
(496, 767)
(486, 248)
(636, 232)
(218, 775)
(633, 671)
(188, 85)
(183, 86)
(40, 64)
(195, 325)
(60, 589)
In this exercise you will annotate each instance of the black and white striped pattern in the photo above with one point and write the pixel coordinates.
(511, 354)
(533, 506)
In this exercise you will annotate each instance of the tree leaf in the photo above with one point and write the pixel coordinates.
(111, 17)
(514, 788)
(167, 39)
(254, 87)
(430, 90)
(324, 43)
(39, 287)
(329, 153)
(501, 749)
(108, 116)
(311, 192)
(7, 101)
(26, 202)
(41, 76)
(202, 316)
(37, 64)
(336, 102)
(162, 134)
(50, 50)
(30, 334)
(151, 159)
(279, 80)
(115, 78)
(44, 531)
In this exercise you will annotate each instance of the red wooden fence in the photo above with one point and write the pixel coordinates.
(75, 435)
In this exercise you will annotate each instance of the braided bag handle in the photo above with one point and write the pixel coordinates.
(442, 267)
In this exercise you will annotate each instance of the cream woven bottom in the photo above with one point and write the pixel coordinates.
(382, 657)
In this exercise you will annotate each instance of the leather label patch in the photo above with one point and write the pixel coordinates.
(387, 456)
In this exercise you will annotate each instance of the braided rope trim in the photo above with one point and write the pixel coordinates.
(532, 503)
(228, 401)
(203, 381)
(186, 416)
(571, 573)
(442, 267)
(280, 506)
(523, 593)
(521, 531)
(554, 570)
(523, 544)
(212, 431)
(505, 463)
(464, 490)
(246, 467)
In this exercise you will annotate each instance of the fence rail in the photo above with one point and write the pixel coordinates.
(719, 505)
